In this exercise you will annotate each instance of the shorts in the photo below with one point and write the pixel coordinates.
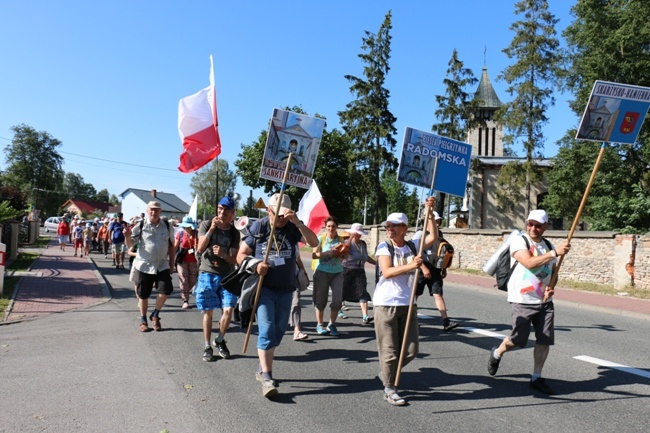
(541, 316)
(144, 283)
(78, 243)
(63, 239)
(118, 248)
(210, 295)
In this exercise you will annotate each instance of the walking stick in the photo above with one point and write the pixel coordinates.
(402, 352)
(266, 253)
(556, 271)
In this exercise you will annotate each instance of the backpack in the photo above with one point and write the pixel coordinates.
(391, 250)
(117, 234)
(504, 270)
(444, 255)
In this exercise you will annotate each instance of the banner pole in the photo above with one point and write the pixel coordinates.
(556, 271)
(402, 352)
(268, 250)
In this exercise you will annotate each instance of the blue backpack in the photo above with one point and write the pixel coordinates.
(117, 235)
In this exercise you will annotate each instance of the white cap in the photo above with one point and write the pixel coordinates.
(285, 206)
(436, 216)
(358, 229)
(397, 218)
(538, 215)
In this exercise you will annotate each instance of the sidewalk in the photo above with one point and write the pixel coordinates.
(56, 282)
(70, 283)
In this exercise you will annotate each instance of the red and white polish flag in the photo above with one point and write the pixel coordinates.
(198, 127)
(312, 210)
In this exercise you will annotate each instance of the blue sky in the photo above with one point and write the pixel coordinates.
(105, 77)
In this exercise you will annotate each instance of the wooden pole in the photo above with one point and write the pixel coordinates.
(266, 253)
(556, 271)
(402, 352)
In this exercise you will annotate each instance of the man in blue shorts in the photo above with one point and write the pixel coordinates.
(218, 245)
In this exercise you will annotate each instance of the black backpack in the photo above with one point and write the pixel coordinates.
(504, 270)
(391, 250)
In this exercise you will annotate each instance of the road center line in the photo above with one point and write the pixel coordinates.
(613, 365)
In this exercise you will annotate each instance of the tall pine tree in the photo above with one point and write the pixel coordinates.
(367, 120)
(532, 80)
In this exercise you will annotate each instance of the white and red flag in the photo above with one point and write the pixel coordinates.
(312, 210)
(198, 127)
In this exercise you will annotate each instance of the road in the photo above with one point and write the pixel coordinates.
(91, 370)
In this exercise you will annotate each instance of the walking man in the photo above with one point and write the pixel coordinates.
(218, 246)
(274, 305)
(153, 263)
(530, 297)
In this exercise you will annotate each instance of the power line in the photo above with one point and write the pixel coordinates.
(118, 162)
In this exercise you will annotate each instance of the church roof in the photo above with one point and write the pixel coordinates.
(486, 93)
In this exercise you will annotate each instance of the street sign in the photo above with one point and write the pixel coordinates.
(259, 204)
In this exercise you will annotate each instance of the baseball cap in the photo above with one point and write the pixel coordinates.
(153, 204)
(538, 215)
(227, 202)
(285, 205)
(397, 218)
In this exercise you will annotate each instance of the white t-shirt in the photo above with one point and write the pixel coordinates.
(526, 286)
(395, 291)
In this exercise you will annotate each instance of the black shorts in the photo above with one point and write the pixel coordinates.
(145, 283)
(541, 316)
(434, 283)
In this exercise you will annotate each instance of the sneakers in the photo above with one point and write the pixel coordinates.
(448, 325)
(223, 349)
(367, 319)
(155, 323)
(144, 327)
(186, 305)
(342, 315)
(322, 330)
(540, 385)
(207, 354)
(269, 386)
(493, 363)
(331, 328)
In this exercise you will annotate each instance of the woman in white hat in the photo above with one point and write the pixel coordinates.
(186, 264)
(354, 274)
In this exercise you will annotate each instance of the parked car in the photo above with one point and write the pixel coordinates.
(51, 224)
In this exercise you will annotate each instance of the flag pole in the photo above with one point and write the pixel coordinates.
(268, 250)
(556, 271)
(402, 352)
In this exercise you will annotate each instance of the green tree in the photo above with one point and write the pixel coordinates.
(204, 185)
(455, 107)
(103, 195)
(16, 198)
(75, 187)
(607, 41)
(398, 198)
(367, 120)
(34, 164)
(532, 80)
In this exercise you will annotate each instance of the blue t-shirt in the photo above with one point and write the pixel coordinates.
(282, 256)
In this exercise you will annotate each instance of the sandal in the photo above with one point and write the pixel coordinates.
(300, 336)
(394, 399)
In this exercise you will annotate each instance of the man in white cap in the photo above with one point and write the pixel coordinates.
(153, 263)
(433, 278)
(530, 297)
(279, 272)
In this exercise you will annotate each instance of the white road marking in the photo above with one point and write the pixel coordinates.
(615, 366)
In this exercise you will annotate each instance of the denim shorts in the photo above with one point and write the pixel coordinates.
(273, 312)
(210, 295)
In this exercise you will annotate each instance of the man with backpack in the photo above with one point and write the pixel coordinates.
(117, 239)
(218, 246)
(432, 276)
(154, 262)
(530, 297)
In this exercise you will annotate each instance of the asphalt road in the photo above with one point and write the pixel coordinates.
(91, 370)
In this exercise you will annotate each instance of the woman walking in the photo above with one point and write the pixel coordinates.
(186, 265)
(355, 281)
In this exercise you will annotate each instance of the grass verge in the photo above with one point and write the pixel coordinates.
(22, 263)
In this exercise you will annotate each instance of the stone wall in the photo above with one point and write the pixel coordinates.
(595, 257)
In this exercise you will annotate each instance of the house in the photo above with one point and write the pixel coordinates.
(79, 207)
(134, 203)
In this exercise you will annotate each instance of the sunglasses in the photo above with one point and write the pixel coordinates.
(537, 226)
